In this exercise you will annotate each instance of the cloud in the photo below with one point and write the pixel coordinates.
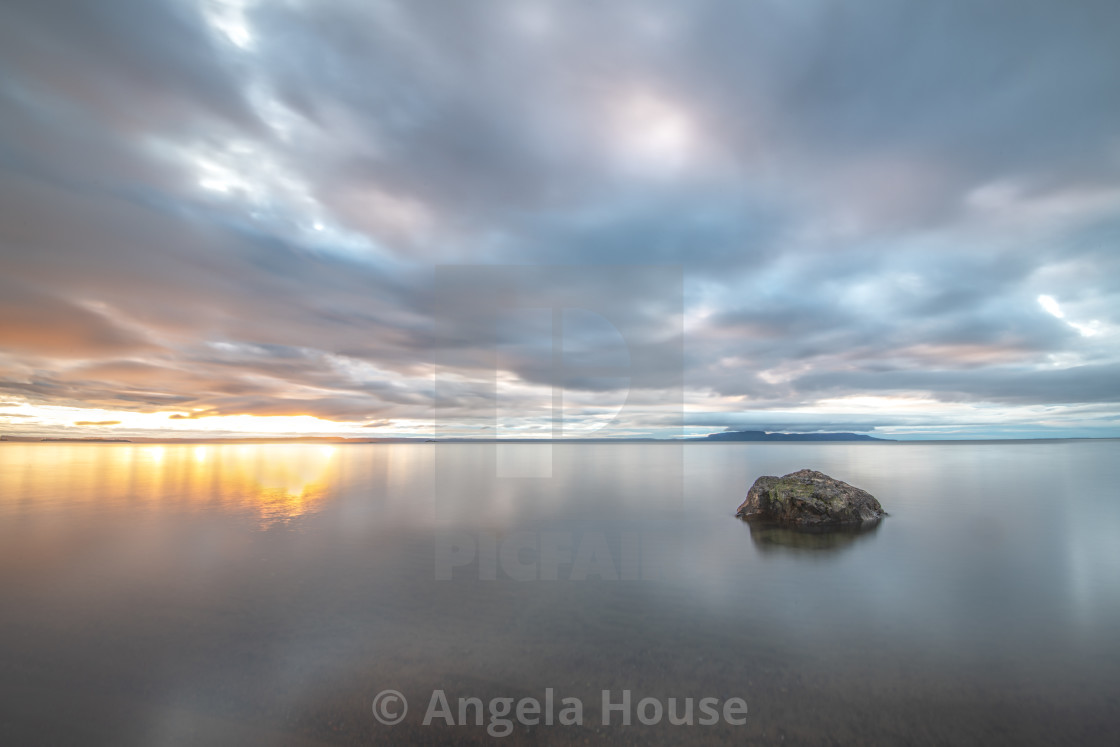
(38, 323)
(226, 209)
(105, 57)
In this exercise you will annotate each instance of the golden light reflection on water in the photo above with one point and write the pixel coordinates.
(276, 483)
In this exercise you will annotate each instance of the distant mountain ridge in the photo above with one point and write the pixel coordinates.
(764, 436)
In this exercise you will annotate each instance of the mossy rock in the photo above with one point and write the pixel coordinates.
(808, 498)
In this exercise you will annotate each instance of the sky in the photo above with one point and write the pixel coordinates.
(631, 218)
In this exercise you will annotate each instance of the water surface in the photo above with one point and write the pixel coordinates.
(266, 593)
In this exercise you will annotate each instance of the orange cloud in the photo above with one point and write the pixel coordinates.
(40, 323)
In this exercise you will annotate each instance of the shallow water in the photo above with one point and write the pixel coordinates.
(266, 593)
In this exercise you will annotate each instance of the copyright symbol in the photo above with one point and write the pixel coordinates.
(390, 707)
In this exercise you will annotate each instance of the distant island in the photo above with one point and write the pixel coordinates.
(764, 436)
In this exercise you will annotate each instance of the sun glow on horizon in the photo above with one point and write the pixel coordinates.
(82, 422)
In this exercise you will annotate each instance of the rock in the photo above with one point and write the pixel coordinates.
(808, 498)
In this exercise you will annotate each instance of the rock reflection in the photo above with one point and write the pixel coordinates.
(810, 540)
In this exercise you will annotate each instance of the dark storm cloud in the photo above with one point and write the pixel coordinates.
(227, 207)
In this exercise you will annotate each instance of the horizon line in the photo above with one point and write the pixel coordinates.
(342, 440)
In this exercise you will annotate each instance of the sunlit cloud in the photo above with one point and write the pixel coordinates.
(651, 133)
(254, 184)
(1051, 306)
(228, 18)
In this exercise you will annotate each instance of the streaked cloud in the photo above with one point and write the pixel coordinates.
(225, 215)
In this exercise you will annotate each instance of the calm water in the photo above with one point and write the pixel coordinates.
(265, 594)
